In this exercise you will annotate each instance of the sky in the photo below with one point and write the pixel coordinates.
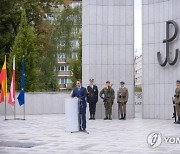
(138, 27)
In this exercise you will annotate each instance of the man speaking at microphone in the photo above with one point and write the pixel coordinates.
(80, 93)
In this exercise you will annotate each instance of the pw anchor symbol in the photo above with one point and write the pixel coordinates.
(167, 40)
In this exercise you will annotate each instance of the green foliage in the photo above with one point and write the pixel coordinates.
(10, 16)
(25, 44)
(67, 29)
(76, 65)
(138, 89)
(41, 46)
(48, 77)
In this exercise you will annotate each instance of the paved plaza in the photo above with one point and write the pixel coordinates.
(41, 134)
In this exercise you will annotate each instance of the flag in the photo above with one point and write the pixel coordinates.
(11, 99)
(21, 94)
(3, 82)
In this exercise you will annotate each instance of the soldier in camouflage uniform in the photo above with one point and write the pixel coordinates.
(122, 98)
(177, 100)
(108, 99)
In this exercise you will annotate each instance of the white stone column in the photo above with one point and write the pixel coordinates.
(159, 82)
(108, 45)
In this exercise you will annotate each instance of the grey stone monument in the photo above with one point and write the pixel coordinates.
(158, 81)
(108, 47)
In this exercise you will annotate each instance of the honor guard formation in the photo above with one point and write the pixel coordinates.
(90, 94)
(107, 94)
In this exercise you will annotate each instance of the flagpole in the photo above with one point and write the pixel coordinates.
(21, 96)
(24, 111)
(5, 98)
(5, 90)
(14, 110)
(24, 93)
(5, 107)
(14, 92)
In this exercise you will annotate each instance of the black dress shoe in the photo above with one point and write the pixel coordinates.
(84, 130)
(124, 117)
(121, 117)
(93, 117)
(106, 118)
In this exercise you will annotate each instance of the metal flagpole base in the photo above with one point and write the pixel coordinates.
(19, 119)
(80, 132)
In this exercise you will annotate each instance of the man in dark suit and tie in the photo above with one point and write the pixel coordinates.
(92, 98)
(80, 93)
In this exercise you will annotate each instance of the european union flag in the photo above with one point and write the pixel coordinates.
(21, 94)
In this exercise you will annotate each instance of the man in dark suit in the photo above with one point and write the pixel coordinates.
(80, 93)
(92, 98)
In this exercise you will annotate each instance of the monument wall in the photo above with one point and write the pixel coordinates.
(108, 47)
(159, 82)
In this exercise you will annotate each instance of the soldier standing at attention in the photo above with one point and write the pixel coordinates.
(177, 100)
(122, 98)
(108, 99)
(92, 98)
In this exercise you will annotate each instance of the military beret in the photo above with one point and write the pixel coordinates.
(107, 81)
(178, 81)
(91, 80)
(122, 82)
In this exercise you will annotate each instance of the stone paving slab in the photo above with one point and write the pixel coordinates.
(41, 134)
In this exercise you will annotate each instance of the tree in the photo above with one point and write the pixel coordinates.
(25, 45)
(48, 77)
(37, 12)
(67, 31)
(76, 65)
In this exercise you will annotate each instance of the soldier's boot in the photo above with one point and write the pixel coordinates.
(121, 117)
(124, 116)
(106, 118)
(93, 116)
(178, 122)
(90, 117)
(110, 117)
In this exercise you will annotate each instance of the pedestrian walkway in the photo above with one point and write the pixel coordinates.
(45, 134)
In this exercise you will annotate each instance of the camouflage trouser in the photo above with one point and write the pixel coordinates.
(108, 107)
(178, 109)
(122, 107)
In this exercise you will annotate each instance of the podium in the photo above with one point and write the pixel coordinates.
(72, 114)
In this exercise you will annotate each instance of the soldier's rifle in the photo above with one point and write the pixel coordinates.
(174, 113)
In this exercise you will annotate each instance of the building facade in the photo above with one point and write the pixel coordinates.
(63, 71)
(138, 71)
(63, 59)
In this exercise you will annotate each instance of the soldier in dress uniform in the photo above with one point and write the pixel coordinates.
(108, 100)
(92, 98)
(122, 98)
(177, 100)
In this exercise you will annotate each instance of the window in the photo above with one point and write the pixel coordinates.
(74, 55)
(64, 81)
(61, 55)
(63, 68)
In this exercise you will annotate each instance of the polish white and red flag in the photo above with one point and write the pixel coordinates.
(11, 99)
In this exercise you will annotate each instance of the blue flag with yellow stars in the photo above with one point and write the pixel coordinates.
(20, 98)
